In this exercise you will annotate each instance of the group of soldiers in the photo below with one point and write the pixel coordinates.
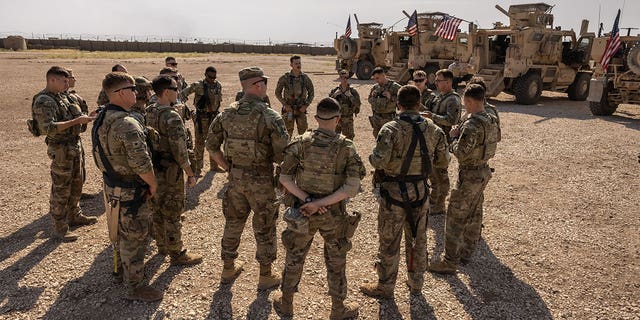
(143, 149)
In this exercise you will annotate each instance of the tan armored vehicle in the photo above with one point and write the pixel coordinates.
(361, 55)
(620, 83)
(427, 52)
(531, 55)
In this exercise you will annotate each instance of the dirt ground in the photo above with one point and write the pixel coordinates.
(560, 236)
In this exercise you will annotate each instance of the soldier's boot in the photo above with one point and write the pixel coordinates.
(283, 303)
(374, 290)
(145, 293)
(443, 267)
(183, 258)
(231, 270)
(414, 287)
(82, 220)
(63, 234)
(341, 310)
(267, 279)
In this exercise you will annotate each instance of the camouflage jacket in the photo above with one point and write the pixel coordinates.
(348, 104)
(446, 110)
(393, 144)
(123, 139)
(240, 94)
(253, 134)
(477, 140)
(173, 136)
(381, 104)
(214, 92)
(295, 91)
(48, 109)
(426, 99)
(322, 162)
(102, 98)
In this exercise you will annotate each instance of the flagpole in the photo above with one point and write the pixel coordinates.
(417, 31)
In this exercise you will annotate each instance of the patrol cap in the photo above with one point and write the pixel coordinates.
(251, 72)
(142, 82)
(343, 72)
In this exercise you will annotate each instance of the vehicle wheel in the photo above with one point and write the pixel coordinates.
(579, 89)
(633, 59)
(431, 70)
(364, 69)
(603, 107)
(528, 88)
(347, 49)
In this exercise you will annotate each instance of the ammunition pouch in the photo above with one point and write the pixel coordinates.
(350, 225)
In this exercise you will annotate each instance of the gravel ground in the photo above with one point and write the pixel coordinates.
(560, 239)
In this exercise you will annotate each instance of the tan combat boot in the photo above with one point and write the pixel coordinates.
(183, 258)
(63, 234)
(374, 290)
(414, 287)
(231, 270)
(443, 267)
(145, 293)
(267, 279)
(341, 310)
(82, 220)
(283, 303)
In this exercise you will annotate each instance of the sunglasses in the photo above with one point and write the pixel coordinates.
(419, 80)
(173, 64)
(321, 118)
(210, 76)
(441, 80)
(132, 88)
(173, 89)
(261, 80)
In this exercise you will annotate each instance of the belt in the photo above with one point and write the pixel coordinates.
(260, 168)
(73, 140)
(482, 166)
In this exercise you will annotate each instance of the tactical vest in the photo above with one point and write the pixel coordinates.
(439, 108)
(295, 91)
(65, 111)
(318, 173)
(208, 102)
(244, 145)
(101, 152)
(382, 104)
(346, 106)
(395, 164)
(487, 149)
(154, 115)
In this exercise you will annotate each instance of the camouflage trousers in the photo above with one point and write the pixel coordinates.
(167, 207)
(464, 215)
(201, 125)
(439, 180)
(133, 233)
(377, 120)
(298, 118)
(250, 190)
(336, 247)
(67, 177)
(345, 126)
(392, 221)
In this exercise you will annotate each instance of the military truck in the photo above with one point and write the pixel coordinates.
(620, 83)
(428, 52)
(361, 55)
(531, 55)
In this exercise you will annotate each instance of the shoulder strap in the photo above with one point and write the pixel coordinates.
(417, 136)
(110, 174)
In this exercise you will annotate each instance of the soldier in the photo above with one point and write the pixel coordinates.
(102, 96)
(295, 93)
(208, 95)
(254, 137)
(120, 151)
(172, 63)
(475, 142)
(62, 122)
(321, 170)
(445, 112)
(489, 108)
(405, 150)
(426, 94)
(382, 98)
(143, 94)
(240, 94)
(349, 100)
(76, 99)
(173, 155)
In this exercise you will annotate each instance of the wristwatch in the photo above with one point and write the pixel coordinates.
(308, 199)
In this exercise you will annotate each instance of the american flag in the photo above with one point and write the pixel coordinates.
(613, 44)
(347, 31)
(412, 26)
(448, 27)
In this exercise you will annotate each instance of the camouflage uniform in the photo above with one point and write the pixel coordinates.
(296, 92)
(64, 148)
(479, 135)
(76, 99)
(446, 113)
(240, 94)
(206, 111)
(173, 154)
(321, 162)
(254, 137)
(349, 105)
(426, 99)
(102, 98)
(388, 155)
(384, 109)
(123, 139)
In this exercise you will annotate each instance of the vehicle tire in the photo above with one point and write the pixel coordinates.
(431, 70)
(603, 107)
(579, 89)
(348, 48)
(633, 59)
(364, 69)
(528, 88)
